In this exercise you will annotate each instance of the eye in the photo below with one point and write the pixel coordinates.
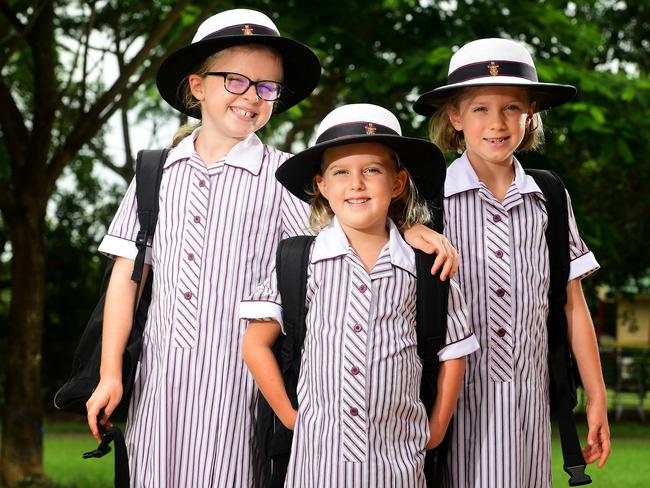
(338, 172)
(479, 109)
(512, 107)
(373, 170)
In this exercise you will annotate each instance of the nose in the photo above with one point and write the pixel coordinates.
(356, 181)
(251, 93)
(497, 120)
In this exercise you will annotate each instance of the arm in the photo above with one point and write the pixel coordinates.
(118, 319)
(450, 380)
(585, 350)
(256, 351)
(429, 241)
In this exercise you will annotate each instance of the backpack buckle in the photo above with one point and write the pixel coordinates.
(103, 448)
(141, 239)
(577, 475)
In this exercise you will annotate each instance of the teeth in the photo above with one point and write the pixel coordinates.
(243, 113)
(496, 139)
(357, 200)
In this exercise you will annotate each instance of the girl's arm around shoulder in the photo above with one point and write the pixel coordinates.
(429, 241)
(256, 351)
(582, 339)
(450, 381)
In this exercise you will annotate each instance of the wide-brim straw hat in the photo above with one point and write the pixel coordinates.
(494, 62)
(301, 66)
(363, 123)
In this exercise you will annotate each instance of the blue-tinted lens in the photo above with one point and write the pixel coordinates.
(269, 90)
(236, 84)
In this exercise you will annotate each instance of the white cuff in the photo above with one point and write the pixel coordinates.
(113, 246)
(256, 310)
(583, 266)
(459, 349)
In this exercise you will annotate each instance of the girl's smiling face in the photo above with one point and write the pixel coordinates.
(493, 120)
(236, 116)
(359, 182)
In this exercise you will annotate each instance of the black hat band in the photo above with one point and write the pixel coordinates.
(243, 30)
(493, 68)
(355, 129)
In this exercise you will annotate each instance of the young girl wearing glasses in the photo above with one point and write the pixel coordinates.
(222, 214)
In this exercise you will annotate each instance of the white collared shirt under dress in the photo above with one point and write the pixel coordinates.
(360, 420)
(501, 429)
(191, 415)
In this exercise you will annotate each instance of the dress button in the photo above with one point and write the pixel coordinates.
(499, 254)
(354, 370)
(187, 295)
(363, 288)
(501, 332)
(357, 328)
(501, 292)
(190, 257)
(197, 219)
(496, 218)
(201, 183)
(354, 411)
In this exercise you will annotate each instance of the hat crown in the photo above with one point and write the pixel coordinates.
(230, 18)
(359, 113)
(492, 49)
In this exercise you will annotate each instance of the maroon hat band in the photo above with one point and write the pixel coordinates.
(493, 68)
(242, 30)
(355, 129)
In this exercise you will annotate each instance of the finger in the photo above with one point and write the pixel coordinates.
(606, 451)
(456, 260)
(446, 269)
(437, 263)
(92, 422)
(592, 436)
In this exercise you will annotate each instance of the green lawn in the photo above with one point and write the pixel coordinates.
(628, 466)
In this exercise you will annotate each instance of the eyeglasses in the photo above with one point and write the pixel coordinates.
(239, 84)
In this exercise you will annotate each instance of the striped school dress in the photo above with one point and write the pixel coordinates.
(501, 429)
(191, 415)
(360, 421)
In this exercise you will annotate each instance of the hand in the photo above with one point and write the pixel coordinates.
(106, 396)
(289, 420)
(598, 444)
(429, 241)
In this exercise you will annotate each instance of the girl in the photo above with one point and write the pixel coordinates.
(496, 215)
(360, 421)
(221, 216)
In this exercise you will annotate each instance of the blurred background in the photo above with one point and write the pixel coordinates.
(78, 100)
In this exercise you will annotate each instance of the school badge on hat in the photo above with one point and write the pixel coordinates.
(301, 67)
(490, 62)
(357, 123)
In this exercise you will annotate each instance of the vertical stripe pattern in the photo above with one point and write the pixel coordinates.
(191, 416)
(501, 430)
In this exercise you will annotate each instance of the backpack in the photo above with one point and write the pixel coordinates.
(273, 439)
(72, 396)
(562, 367)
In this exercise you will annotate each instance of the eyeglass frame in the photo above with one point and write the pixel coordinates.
(225, 74)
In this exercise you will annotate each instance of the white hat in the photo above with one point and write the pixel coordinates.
(362, 122)
(236, 27)
(490, 62)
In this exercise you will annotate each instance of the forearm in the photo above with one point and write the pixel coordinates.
(118, 317)
(257, 353)
(584, 345)
(450, 381)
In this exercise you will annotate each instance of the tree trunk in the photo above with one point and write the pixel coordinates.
(21, 455)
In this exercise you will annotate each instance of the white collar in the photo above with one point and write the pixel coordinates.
(247, 154)
(332, 242)
(461, 177)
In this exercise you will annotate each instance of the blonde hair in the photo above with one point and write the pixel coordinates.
(443, 134)
(405, 210)
(190, 102)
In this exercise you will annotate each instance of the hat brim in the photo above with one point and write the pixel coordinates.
(301, 69)
(547, 95)
(423, 160)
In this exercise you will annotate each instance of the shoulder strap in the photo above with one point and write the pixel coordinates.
(557, 239)
(148, 174)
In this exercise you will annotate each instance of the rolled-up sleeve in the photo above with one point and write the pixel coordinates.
(583, 261)
(264, 303)
(460, 339)
(122, 233)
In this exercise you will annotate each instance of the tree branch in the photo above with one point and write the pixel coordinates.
(11, 41)
(125, 171)
(16, 135)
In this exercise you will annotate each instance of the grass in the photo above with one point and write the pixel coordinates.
(627, 467)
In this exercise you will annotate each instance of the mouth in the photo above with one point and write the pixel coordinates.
(496, 140)
(244, 113)
(356, 201)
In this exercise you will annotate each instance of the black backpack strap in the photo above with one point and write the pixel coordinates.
(560, 359)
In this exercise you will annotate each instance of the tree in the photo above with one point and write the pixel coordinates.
(53, 104)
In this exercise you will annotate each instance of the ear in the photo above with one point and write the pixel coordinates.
(454, 118)
(322, 186)
(531, 112)
(401, 179)
(196, 86)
